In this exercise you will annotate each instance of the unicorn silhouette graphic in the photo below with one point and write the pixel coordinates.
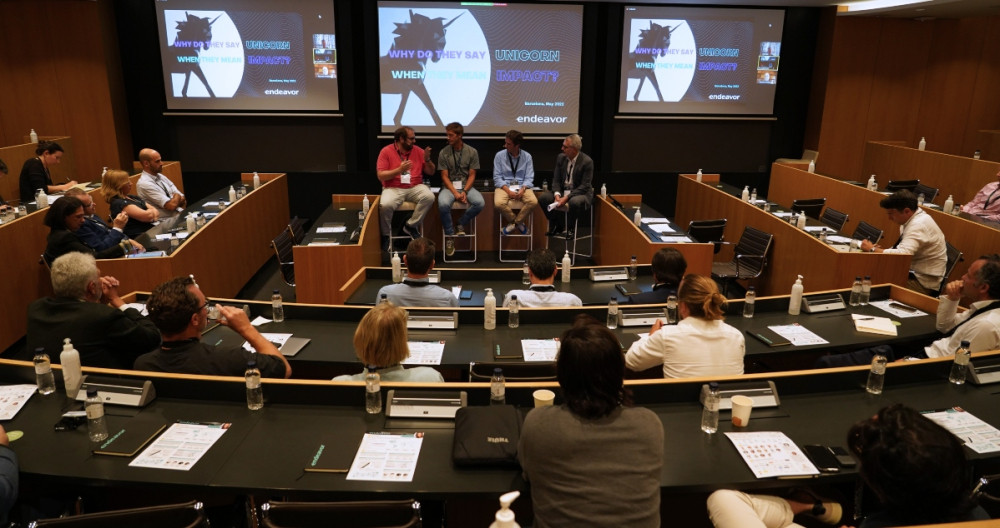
(193, 36)
(653, 42)
(404, 66)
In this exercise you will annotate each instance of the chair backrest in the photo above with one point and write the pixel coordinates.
(187, 515)
(751, 251)
(361, 514)
(899, 185)
(708, 231)
(954, 257)
(930, 193)
(513, 370)
(833, 218)
(297, 227)
(810, 206)
(867, 231)
(811, 155)
(282, 245)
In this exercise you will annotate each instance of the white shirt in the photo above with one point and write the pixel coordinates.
(922, 238)
(982, 332)
(542, 296)
(693, 347)
(157, 190)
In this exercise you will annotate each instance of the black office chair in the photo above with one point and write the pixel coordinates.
(833, 218)
(708, 231)
(513, 370)
(297, 228)
(899, 185)
(930, 193)
(867, 231)
(187, 515)
(954, 257)
(282, 245)
(360, 514)
(749, 259)
(811, 206)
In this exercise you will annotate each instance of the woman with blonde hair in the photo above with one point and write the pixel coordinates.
(380, 342)
(701, 344)
(116, 187)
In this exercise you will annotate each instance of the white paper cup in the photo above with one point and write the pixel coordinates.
(742, 405)
(544, 397)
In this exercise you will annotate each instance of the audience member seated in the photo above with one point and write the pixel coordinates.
(669, 266)
(571, 184)
(87, 309)
(595, 460)
(915, 467)
(8, 477)
(986, 203)
(701, 344)
(542, 292)
(416, 290)
(3, 173)
(35, 172)
(919, 236)
(179, 309)
(64, 219)
(380, 342)
(94, 231)
(979, 325)
(156, 189)
(115, 188)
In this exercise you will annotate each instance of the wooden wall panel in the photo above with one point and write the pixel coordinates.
(24, 278)
(960, 176)
(897, 79)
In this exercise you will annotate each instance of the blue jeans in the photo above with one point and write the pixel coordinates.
(446, 198)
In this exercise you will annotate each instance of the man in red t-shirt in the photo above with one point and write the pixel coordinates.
(401, 168)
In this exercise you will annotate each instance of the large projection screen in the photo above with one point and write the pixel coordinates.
(251, 55)
(490, 67)
(699, 60)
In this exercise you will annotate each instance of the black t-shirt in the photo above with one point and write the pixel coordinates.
(196, 357)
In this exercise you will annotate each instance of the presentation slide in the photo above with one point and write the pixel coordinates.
(252, 55)
(699, 60)
(491, 67)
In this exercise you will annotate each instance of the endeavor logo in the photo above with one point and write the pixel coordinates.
(725, 97)
(540, 119)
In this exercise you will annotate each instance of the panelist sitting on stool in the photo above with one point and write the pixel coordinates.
(94, 231)
(401, 169)
(86, 308)
(458, 163)
(380, 341)
(156, 189)
(919, 236)
(179, 309)
(986, 203)
(542, 293)
(669, 266)
(571, 183)
(416, 290)
(513, 177)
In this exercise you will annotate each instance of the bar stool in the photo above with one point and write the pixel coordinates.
(589, 237)
(516, 205)
(406, 207)
(471, 236)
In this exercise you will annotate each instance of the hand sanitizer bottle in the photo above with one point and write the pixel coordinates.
(604, 190)
(33, 135)
(812, 166)
(505, 516)
(637, 217)
(698, 177)
(949, 204)
(365, 205)
(72, 375)
(489, 310)
(746, 193)
(872, 184)
(567, 264)
(256, 180)
(795, 301)
(923, 143)
(397, 268)
(232, 194)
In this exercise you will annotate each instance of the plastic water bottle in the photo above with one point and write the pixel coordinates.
(923, 143)
(960, 367)
(670, 311)
(876, 378)
(277, 310)
(42, 201)
(698, 177)
(823, 236)
(397, 267)
(43, 373)
(977, 154)
(97, 426)
(637, 217)
(748, 302)
(256, 180)
(801, 222)
(526, 274)
(633, 268)
(384, 298)
(948, 204)
(33, 135)
(498, 388)
(866, 290)
(567, 264)
(373, 391)
(745, 196)
(753, 195)
(513, 317)
(604, 190)
(192, 223)
(855, 299)
(710, 414)
(72, 375)
(872, 184)
(920, 199)
(365, 205)
(255, 394)
(613, 313)
(489, 310)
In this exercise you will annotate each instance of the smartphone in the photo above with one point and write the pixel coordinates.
(843, 457)
(822, 457)
(466, 295)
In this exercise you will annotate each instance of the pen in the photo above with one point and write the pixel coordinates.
(864, 319)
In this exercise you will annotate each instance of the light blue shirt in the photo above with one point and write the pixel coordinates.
(504, 173)
(398, 373)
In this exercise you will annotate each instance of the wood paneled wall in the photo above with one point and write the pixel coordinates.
(891, 78)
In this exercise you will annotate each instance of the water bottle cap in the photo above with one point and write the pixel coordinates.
(513, 297)
(713, 386)
(251, 364)
(750, 289)
(868, 277)
(275, 290)
(497, 371)
(965, 344)
(91, 392)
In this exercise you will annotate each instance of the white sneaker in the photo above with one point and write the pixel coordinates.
(509, 229)
(449, 247)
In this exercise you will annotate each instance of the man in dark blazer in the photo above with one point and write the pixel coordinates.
(668, 270)
(94, 232)
(572, 183)
(87, 309)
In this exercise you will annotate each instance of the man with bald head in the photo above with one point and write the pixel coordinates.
(155, 188)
